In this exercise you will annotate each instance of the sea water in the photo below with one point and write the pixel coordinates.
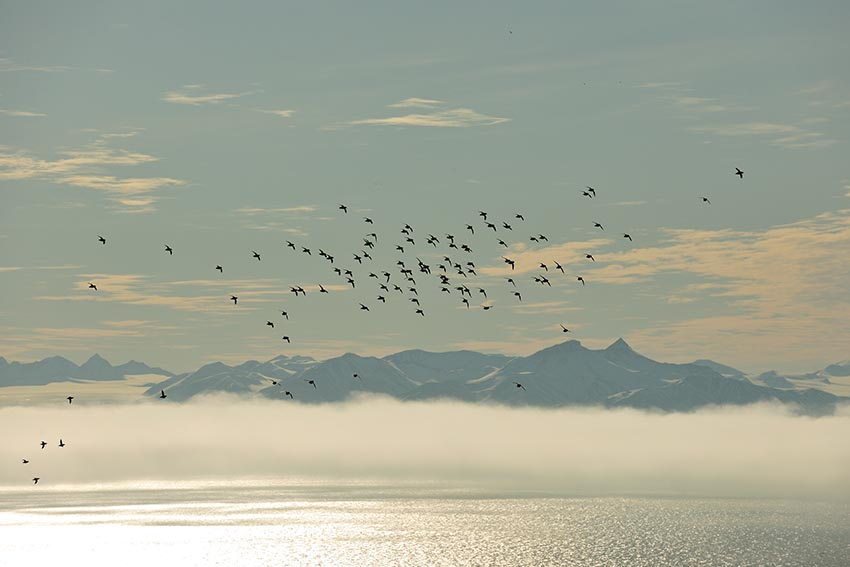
(302, 522)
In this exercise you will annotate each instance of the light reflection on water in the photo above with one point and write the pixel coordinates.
(364, 524)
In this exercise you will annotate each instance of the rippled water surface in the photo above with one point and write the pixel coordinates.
(363, 524)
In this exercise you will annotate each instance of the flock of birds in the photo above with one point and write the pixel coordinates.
(405, 279)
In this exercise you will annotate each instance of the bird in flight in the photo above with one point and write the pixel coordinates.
(70, 399)
(92, 286)
(220, 269)
(558, 266)
(739, 173)
(544, 266)
(288, 393)
(24, 461)
(36, 479)
(518, 295)
(627, 235)
(486, 307)
(518, 385)
(234, 299)
(599, 226)
(511, 281)
(519, 216)
(286, 338)
(285, 314)
(580, 279)
(343, 208)
(356, 375)
(705, 200)
(420, 312)
(363, 307)
(101, 239)
(586, 194)
(564, 329)
(591, 190)
(367, 220)
(509, 261)
(274, 382)
(270, 324)
(590, 257)
(290, 245)
(61, 443)
(257, 256)
(162, 395)
(312, 383)
(43, 444)
(169, 250)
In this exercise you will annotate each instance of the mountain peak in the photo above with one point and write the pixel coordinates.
(620, 345)
(96, 359)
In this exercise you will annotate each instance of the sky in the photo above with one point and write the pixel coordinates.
(221, 129)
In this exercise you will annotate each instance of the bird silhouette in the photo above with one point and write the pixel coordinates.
(586, 194)
(286, 338)
(591, 190)
(356, 375)
(367, 220)
(518, 385)
(290, 245)
(581, 279)
(101, 239)
(739, 173)
(70, 399)
(363, 307)
(24, 461)
(381, 298)
(518, 295)
(234, 299)
(343, 208)
(519, 216)
(257, 256)
(220, 269)
(590, 257)
(420, 312)
(511, 281)
(705, 200)
(36, 479)
(564, 329)
(284, 314)
(627, 235)
(322, 289)
(43, 444)
(270, 324)
(169, 250)
(558, 266)
(288, 393)
(509, 261)
(486, 307)
(274, 382)
(162, 395)
(544, 266)
(61, 443)
(312, 383)
(599, 226)
(92, 286)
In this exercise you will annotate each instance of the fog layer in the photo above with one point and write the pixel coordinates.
(751, 451)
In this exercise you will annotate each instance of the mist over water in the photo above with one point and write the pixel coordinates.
(755, 451)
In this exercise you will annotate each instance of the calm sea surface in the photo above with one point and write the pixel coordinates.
(364, 524)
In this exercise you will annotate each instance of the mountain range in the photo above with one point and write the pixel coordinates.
(566, 374)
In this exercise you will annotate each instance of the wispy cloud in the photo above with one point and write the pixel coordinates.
(22, 113)
(791, 136)
(416, 103)
(281, 113)
(8, 65)
(439, 117)
(189, 95)
(85, 168)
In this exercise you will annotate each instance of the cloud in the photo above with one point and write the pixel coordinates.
(281, 113)
(21, 113)
(720, 452)
(182, 96)
(790, 136)
(8, 65)
(416, 103)
(84, 168)
(260, 210)
(438, 118)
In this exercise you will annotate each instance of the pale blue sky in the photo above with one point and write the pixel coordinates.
(220, 129)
